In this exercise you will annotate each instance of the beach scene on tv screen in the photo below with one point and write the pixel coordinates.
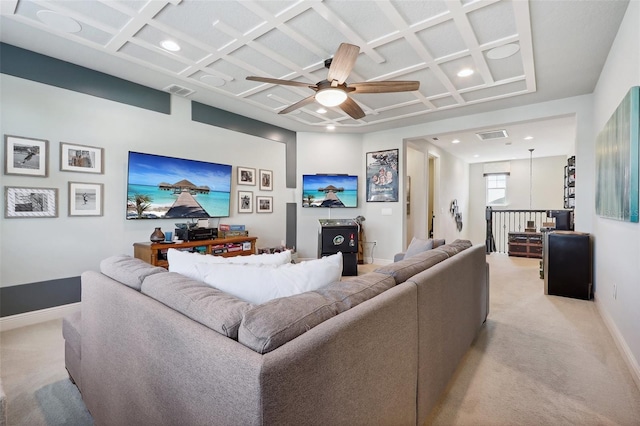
(167, 187)
(329, 191)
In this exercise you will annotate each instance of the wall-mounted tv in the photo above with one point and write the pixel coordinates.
(329, 191)
(167, 187)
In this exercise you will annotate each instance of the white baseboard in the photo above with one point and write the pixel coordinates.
(624, 349)
(35, 317)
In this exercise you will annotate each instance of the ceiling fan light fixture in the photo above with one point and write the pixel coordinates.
(331, 96)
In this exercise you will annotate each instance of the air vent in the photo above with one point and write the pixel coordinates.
(492, 134)
(174, 89)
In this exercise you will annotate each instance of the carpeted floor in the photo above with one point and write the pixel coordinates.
(539, 360)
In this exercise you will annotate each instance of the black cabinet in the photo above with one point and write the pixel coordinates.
(568, 265)
(340, 235)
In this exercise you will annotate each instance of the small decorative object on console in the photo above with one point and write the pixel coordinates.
(157, 235)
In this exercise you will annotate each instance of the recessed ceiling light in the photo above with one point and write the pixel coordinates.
(321, 111)
(59, 21)
(502, 52)
(455, 141)
(476, 155)
(170, 45)
(331, 127)
(465, 72)
(212, 80)
(528, 138)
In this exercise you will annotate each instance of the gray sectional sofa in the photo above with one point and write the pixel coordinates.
(152, 347)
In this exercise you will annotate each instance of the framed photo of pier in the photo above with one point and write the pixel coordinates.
(382, 176)
(26, 156)
(85, 199)
(266, 180)
(81, 158)
(21, 202)
(265, 204)
(246, 176)
(245, 202)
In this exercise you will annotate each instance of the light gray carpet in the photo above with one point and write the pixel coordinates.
(539, 360)
(35, 380)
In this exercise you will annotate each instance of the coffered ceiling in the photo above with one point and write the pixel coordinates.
(519, 51)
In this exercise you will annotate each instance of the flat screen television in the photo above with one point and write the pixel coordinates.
(166, 187)
(333, 191)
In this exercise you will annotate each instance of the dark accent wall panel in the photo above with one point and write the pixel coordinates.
(19, 299)
(54, 72)
(292, 225)
(227, 120)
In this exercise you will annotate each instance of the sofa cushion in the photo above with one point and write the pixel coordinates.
(418, 245)
(261, 283)
(128, 270)
(183, 262)
(211, 307)
(404, 269)
(438, 242)
(455, 247)
(272, 324)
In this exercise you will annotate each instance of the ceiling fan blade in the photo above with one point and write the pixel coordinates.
(278, 81)
(298, 104)
(385, 86)
(343, 62)
(352, 108)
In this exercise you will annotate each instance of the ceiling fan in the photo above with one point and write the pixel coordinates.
(334, 91)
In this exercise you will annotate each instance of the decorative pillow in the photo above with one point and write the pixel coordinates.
(183, 262)
(261, 283)
(418, 245)
(128, 270)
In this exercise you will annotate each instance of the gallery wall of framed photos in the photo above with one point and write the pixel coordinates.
(29, 157)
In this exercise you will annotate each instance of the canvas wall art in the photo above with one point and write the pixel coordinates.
(617, 159)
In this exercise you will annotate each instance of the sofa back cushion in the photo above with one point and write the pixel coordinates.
(211, 307)
(455, 247)
(404, 269)
(128, 270)
(272, 324)
(261, 283)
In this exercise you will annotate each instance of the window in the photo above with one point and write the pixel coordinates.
(497, 190)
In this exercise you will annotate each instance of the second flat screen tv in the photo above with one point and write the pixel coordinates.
(168, 187)
(333, 191)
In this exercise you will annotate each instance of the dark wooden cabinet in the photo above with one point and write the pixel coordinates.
(525, 244)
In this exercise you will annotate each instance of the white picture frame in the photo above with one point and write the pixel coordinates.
(86, 199)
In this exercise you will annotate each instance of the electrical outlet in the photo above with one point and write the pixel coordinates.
(375, 243)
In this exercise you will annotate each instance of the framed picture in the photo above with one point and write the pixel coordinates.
(246, 176)
(266, 180)
(245, 202)
(85, 199)
(81, 158)
(26, 156)
(382, 175)
(265, 204)
(30, 202)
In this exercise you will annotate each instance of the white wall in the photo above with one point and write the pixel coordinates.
(547, 192)
(417, 170)
(617, 244)
(35, 250)
(327, 153)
